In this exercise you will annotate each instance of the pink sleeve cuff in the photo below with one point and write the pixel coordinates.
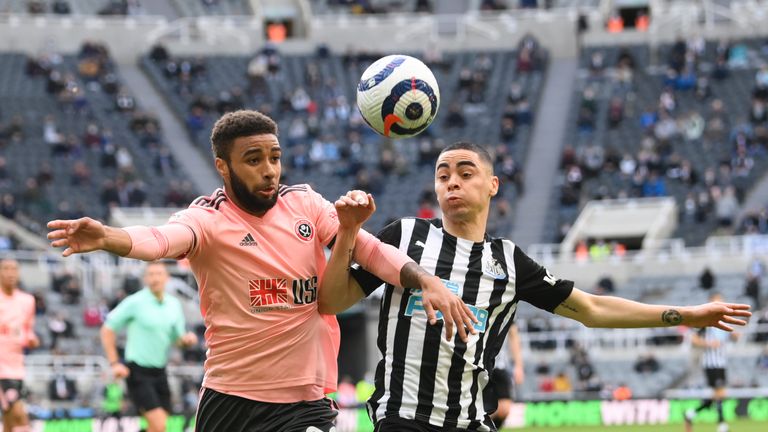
(165, 241)
(381, 259)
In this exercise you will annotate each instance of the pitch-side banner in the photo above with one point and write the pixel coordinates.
(570, 413)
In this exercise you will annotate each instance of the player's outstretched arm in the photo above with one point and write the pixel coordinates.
(145, 243)
(338, 289)
(616, 312)
(86, 235)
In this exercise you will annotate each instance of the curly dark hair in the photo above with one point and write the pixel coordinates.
(238, 124)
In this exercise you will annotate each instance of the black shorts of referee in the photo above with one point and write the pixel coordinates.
(499, 387)
(148, 388)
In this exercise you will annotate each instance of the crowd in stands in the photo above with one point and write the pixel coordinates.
(358, 7)
(93, 126)
(65, 7)
(694, 141)
(325, 135)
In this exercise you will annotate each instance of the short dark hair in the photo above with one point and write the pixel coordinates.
(466, 145)
(238, 124)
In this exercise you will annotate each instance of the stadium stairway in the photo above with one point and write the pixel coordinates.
(206, 180)
(546, 142)
(756, 199)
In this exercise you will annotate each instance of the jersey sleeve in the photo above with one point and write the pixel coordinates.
(367, 280)
(121, 315)
(325, 217)
(196, 219)
(534, 284)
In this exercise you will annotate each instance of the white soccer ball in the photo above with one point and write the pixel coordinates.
(398, 96)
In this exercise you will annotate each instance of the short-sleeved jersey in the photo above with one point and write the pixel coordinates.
(258, 279)
(717, 357)
(152, 327)
(421, 375)
(17, 320)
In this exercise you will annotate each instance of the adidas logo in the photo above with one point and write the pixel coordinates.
(248, 240)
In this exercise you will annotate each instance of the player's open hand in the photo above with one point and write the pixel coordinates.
(354, 209)
(32, 341)
(717, 314)
(120, 371)
(436, 296)
(188, 339)
(77, 236)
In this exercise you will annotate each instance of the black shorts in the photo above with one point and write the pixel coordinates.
(398, 424)
(148, 388)
(219, 412)
(715, 377)
(499, 387)
(11, 391)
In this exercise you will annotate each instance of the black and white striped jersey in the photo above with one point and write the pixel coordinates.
(421, 375)
(714, 358)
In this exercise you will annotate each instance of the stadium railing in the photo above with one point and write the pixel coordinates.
(624, 342)
(729, 254)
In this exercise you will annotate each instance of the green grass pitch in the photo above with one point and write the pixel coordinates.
(736, 426)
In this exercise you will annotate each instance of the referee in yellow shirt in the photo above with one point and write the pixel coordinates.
(153, 321)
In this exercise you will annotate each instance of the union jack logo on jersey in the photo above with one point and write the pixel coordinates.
(268, 294)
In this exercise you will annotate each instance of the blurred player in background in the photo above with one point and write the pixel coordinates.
(498, 393)
(17, 321)
(256, 248)
(154, 321)
(714, 360)
(425, 383)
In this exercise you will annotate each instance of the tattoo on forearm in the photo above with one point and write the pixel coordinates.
(671, 317)
(350, 252)
(569, 307)
(410, 275)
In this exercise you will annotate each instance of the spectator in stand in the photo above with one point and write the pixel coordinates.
(92, 316)
(605, 286)
(706, 279)
(62, 388)
(41, 306)
(752, 290)
(761, 335)
(762, 359)
(726, 206)
(562, 383)
(647, 363)
(455, 118)
(427, 206)
(622, 392)
(599, 250)
(59, 327)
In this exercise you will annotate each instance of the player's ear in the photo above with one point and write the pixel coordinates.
(494, 185)
(223, 168)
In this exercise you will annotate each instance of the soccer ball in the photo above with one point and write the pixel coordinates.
(398, 96)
